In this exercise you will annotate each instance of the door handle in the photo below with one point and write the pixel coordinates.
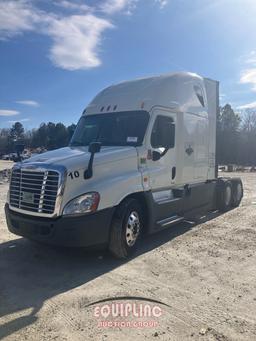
(173, 172)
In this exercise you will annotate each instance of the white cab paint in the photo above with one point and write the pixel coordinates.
(120, 171)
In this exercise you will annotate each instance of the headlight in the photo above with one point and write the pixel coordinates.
(83, 204)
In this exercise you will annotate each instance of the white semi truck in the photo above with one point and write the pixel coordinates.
(142, 158)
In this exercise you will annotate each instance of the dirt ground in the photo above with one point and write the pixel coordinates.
(5, 164)
(203, 275)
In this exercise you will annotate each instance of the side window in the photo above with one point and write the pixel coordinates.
(199, 94)
(163, 132)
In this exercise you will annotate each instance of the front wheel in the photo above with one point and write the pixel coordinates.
(126, 228)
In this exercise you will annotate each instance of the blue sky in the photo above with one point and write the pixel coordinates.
(56, 55)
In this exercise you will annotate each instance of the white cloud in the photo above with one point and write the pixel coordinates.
(251, 58)
(114, 6)
(251, 105)
(22, 120)
(76, 38)
(76, 41)
(76, 35)
(162, 3)
(248, 76)
(29, 103)
(4, 112)
(16, 17)
(74, 6)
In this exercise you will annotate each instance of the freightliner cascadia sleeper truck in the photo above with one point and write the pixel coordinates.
(142, 158)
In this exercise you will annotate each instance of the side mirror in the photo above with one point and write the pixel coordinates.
(94, 147)
(156, 155)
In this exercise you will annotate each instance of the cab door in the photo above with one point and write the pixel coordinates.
(162, 171)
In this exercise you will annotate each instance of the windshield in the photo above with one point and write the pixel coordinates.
(111, 129)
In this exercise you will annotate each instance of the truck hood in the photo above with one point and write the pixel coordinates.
(78, 157)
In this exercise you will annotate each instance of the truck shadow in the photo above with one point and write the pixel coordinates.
(31, 273)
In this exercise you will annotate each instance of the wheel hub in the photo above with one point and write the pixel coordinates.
(132, 228)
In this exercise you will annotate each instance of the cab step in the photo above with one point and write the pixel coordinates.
(169, 221)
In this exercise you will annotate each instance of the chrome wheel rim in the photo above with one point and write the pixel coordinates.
(132, 228)
(228, 195)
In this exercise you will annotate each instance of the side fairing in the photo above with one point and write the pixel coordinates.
(212, 91)
(196, 144)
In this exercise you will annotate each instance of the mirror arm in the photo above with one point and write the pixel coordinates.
(19, 158)
(94, 147)
(88, 173)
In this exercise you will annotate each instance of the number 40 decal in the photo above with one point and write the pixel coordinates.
(74, 174)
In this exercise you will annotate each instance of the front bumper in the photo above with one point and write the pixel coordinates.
(81, 231)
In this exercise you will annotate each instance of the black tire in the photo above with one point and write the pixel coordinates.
(118, 243)
(237, 192)
(224, 195)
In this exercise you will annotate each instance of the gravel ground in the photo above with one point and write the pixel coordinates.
(5, 164)
(204, 274)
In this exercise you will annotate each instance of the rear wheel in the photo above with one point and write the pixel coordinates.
(224, 195)
(126, 229)
(237, 192)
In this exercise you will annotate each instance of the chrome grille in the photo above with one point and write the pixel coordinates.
(34, 191)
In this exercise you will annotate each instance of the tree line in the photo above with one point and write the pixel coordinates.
(48, 136)
(236, 137)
